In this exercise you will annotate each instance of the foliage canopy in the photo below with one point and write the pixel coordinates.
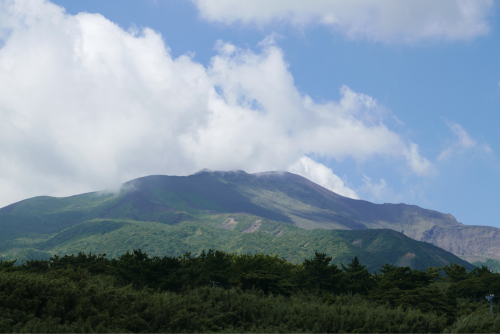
(253, 293)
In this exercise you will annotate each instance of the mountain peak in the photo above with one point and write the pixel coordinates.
(271, 173)
(219, 172)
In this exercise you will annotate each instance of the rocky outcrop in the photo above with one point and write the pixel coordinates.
(467, 242)
(254, 227)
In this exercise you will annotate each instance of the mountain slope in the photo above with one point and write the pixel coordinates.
(238, 233)
(275, 196)
(312, 206)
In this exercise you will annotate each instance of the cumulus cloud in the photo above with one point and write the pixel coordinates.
(379, 20)
(322, 175)
(85, 105)
(461, 143)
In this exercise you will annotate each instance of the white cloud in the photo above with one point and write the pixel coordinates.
(379, 20)
(419, 164)
(377, 190)
(322, 175)
(462, 142)
(85, 105)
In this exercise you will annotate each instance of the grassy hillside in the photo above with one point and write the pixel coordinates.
(232, 233)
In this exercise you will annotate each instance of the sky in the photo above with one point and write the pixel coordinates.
(385, 101)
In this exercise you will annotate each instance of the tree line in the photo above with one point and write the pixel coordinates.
(221, 292)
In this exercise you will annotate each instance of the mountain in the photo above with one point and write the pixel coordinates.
(310, 206)
(238, 233)
(286, 213)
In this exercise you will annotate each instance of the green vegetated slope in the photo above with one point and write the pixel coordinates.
(492, 264)
(169, 215)
(237, 233)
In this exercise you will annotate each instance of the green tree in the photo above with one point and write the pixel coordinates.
(455, 273)
(321, 274)
(394, 281)
(269, 273)
(357, 278)
(7, 265)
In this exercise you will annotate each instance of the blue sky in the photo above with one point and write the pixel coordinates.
(372, 100)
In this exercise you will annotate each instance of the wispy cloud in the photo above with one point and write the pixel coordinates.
(462, 142)
(374, 190)
(379, 20)
(419, 164)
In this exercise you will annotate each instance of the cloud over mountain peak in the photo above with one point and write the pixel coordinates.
(86, 105)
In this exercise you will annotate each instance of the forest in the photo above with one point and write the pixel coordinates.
(222, 292)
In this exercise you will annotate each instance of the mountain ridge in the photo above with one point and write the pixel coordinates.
(413, 221)
(278, 197)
